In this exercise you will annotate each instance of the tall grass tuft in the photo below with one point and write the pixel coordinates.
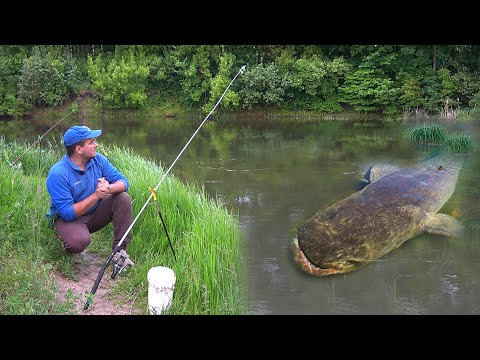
(210, 267)
(428, 133)
(27, 245)
(460, 144)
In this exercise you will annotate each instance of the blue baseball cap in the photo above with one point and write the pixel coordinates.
(78, 133)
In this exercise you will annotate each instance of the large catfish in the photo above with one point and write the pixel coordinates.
(390, 210)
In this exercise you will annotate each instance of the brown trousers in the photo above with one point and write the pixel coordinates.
(76, 235)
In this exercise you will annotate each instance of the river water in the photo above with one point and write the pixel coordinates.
(276, 173)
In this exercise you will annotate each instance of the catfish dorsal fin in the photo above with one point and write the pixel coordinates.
(378, 171)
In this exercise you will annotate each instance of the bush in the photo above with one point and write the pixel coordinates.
(46, 80)
(263, 85)
(121, 83)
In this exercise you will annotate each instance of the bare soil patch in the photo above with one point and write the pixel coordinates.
(87, 267)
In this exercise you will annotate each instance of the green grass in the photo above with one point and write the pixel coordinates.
(430, 133)
(460, 144)
(435, 134)
(210, 268)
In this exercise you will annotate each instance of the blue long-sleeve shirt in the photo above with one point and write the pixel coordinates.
(68, 184)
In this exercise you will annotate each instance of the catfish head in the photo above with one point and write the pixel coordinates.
(325, 268)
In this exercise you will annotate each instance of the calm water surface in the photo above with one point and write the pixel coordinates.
(275, 174)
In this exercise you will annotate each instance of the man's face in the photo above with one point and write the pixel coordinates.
(88, 150)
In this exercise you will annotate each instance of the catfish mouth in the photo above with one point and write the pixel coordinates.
(307, 266)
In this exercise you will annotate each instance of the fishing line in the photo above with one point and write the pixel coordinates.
(41, 136)
(242, 69)
(117, 247)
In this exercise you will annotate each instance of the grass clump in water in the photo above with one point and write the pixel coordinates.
(435, 134)
(431, 133)
(460, 144)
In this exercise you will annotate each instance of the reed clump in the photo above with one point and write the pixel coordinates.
(435, 134)
(429, 133)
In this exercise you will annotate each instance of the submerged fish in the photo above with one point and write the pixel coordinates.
(395, 206)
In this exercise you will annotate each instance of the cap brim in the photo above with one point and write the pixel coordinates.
(95, 133)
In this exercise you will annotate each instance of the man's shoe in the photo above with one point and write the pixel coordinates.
(121, 260)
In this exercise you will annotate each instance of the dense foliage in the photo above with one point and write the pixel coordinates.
(365, 78)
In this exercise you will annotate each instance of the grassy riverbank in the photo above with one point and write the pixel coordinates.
(86, 107)
(210, 267)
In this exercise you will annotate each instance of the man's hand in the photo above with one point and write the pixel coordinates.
(103, 188)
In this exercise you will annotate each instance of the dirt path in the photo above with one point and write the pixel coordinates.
(87, 267)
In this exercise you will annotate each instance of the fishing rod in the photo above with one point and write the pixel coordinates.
(117, 247)
(40, 139)
(163, 222)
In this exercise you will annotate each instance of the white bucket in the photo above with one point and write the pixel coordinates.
(161, 282)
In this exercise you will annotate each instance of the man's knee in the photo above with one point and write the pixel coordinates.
(77, 243)
(124, 200)
(124, 197)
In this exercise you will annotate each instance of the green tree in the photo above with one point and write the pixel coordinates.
(367, 91)
(121, 84)
(220, 82)
(11, 61)
(47, 78)
(263, 84)
(314, 81)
